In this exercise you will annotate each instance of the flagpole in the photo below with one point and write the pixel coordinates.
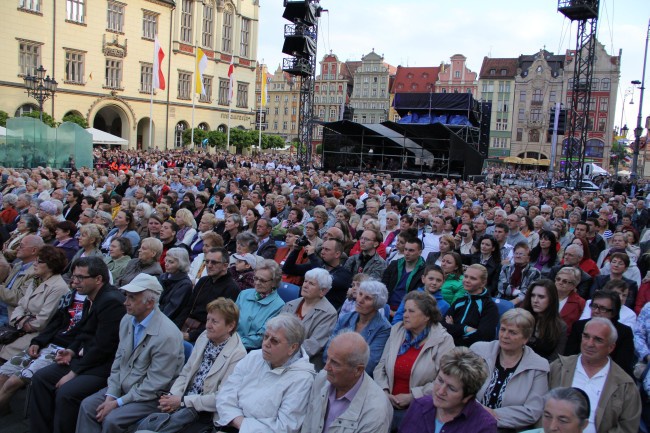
(196, 71)
(262, 94)
(151, 102)
(228, 136)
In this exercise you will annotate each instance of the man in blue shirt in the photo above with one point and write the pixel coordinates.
(148, 360)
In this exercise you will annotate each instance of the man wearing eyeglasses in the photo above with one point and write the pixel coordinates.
(21, 274)
(217, 284)
(82, 367)
(606, 304)
(613, 395)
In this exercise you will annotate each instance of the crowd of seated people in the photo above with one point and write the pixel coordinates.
(248, 294)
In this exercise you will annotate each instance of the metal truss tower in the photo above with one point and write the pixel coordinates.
(300, 42)
(585, 12)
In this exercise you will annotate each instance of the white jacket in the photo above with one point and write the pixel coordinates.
(270, 400)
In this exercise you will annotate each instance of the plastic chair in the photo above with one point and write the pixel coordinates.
(288, 292)
(503, 305)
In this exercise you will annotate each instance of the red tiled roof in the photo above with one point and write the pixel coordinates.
(498, 64)
(414, 79)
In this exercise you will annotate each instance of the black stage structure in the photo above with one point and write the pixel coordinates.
(439, 135)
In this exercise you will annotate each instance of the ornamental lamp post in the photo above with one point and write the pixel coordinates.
(621, 144)
(40, 87)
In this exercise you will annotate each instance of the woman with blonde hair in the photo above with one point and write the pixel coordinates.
(517, 376)
(187, 226)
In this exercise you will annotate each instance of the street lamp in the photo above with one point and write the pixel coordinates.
(621, 143)
(40, 87)
(639, 129)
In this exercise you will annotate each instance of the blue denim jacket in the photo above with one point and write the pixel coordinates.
(376, 334)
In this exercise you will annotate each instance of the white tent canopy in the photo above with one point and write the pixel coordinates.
(101, 137)
(3, 130)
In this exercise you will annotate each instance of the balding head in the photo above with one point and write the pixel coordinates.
(29, 248)
(352, 348)
(333, 233)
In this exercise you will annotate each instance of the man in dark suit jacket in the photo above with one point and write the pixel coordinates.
(72, 210)
(606, 304)
(589, 212)
(83, 366)
(267, 247)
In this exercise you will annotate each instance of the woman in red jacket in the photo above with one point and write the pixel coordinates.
(587, 264)
(571, 304)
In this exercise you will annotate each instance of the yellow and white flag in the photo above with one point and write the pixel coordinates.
(201, 65)
(263, 90)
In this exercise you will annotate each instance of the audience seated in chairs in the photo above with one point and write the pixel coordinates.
(409, 363)
(217, 284)
(190, 405)
(39, 301)
(315, 312)
(473, 317)
(148, 359)
(80, 367)
(369, 410)
(259, 304)
(517, 376)
(548, 339)
(368, 319)
(268, 390)
(460, 376)
(177, 286)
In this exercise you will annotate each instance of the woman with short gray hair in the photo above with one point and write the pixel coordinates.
(269, 389)
(177, 286)
(368, 320)
(27, 224)
(517, 376)
(315, 312)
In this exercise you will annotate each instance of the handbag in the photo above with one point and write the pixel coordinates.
(169, 422)
(190, 325)
(9, 334)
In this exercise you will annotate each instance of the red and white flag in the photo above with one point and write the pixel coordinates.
(231, 79)
(158, 56)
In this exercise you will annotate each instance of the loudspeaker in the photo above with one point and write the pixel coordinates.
(484, 138)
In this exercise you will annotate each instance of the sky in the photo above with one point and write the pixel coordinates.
(426, 32)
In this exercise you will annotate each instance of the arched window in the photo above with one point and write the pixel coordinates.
(25, 109)
(178, 134)
(204, 126)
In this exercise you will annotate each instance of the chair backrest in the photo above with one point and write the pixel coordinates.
(503, 305)
(288, 292)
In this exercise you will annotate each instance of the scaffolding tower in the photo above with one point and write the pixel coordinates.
(300, 42)
(585, 12)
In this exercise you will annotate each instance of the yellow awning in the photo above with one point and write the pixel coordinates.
(512, 160)
(543, 162)
(529, 161)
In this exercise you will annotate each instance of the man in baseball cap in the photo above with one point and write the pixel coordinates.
(148, 360)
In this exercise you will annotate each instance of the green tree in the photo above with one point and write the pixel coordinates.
(47, 119)
(199, 135)
(270, 141)
(217, 139)
(242, 139)
(3, 118)
(319, 149)
(75, 118)
(617, 153)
